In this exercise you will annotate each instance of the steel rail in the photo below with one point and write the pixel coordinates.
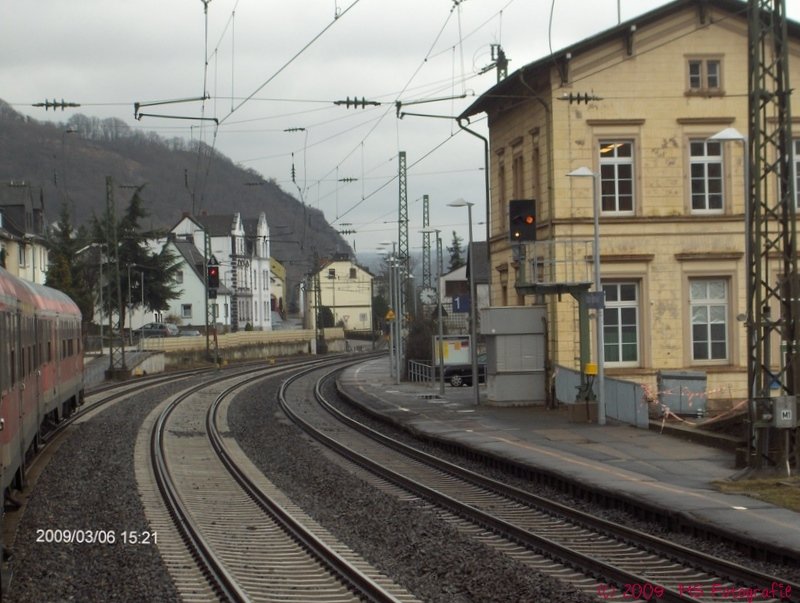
(356, 580)
(211, 566)
(725, 569)
(589, 564)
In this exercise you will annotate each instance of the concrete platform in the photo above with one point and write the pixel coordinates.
(656, 469)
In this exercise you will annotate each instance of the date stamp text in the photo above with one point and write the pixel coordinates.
(89, 536)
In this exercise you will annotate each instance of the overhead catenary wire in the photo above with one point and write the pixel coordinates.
(291, 59)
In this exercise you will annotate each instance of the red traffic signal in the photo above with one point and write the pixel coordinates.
(212, 277)
(522, 220)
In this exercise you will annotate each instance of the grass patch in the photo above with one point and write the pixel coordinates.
(779, 491)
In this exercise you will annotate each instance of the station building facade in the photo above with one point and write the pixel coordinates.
(636, 105)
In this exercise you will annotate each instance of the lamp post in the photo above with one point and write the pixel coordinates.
(473, 302)
(439, 325)
(726, 135)
(395, 328)
(398, 311)
(732, 134)
(584, 172)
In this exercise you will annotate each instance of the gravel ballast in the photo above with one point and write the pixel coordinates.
(404, 539)
(90, 485)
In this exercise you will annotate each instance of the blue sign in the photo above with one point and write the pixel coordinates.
(461, 303)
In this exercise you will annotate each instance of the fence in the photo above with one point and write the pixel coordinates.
(420, 372)
(625, 401)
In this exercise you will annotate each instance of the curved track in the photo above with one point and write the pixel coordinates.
(246, 540)
(609, 560)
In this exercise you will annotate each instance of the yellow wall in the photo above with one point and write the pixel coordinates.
(641, 98)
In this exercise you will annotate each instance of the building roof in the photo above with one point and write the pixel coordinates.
(342, 258)
(21, 215)
(191, 254)
(194, 259)
(522, 76)
(217, 225)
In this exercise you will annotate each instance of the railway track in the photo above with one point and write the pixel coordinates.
(243, 539)
(47, 444)
(601, 558)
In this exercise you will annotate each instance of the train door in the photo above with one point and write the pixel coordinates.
(16, 406)
(36, 376)
(5, 400)
(21, 339)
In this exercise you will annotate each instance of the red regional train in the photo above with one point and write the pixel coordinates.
(41, 369)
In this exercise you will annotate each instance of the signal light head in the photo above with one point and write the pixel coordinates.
(522, 220)
(212, 277)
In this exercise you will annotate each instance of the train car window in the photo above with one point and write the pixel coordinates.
(13, 372)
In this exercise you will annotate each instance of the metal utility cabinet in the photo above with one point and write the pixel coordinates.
(515, 345)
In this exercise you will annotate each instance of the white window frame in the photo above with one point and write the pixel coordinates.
(611, 163)
(711, 180)
(706, 77)
(186, 311)
(613, 333)
(707, 311)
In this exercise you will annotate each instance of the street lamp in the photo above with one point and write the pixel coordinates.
(440, 326)
(732, 134)
(584, 172)
(726, 135)
(395, 326)
(473, 302)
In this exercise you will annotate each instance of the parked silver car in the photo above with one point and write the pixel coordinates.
(158, 329)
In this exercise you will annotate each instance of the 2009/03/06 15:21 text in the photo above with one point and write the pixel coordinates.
(87, 536)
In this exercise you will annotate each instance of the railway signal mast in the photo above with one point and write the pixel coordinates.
(773, 290)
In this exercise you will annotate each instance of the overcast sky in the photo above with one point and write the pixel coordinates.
(275, 66)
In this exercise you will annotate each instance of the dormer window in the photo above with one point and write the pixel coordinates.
(705, 76)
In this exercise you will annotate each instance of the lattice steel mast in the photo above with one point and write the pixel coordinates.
(771, 232)
(426, 243)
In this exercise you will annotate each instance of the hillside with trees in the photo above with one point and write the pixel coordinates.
(70, 162)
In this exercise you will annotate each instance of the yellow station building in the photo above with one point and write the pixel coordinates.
(636, 105)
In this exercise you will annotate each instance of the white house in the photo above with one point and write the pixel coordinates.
(241, 249)
(22, 247)
(455, 289)
(191, 279)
